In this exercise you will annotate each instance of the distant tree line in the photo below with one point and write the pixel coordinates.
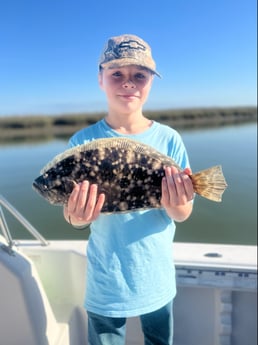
(66, 124)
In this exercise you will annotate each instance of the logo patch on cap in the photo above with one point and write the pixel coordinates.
(123, 50)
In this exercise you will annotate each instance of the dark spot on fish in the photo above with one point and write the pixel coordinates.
(124, 182)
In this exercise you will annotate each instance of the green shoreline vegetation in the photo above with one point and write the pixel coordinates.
(46, 127)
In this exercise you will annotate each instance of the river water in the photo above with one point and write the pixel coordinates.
(233, 221)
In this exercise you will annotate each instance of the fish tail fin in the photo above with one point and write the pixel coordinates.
(210, 183)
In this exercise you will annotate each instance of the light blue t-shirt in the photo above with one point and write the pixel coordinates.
(130, 268)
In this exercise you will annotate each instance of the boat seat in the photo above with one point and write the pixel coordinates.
(29, 318)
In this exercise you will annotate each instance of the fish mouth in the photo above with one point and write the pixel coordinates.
(41, 190)
(40, 184)
(37, 187)
(45, 193)
(51, 192)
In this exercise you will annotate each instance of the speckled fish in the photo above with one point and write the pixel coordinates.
(127, 171)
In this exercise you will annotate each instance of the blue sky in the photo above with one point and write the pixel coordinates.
(205, 50)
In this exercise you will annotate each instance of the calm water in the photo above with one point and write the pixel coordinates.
(232, 221)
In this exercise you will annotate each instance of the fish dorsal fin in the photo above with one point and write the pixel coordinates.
(59, 157)
(116, 143)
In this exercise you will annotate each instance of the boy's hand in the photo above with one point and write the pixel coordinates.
(177, 191)
(84, 204)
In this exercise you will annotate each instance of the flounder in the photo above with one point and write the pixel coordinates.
(127, 171)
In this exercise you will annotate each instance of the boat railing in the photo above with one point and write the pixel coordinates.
(4, 204)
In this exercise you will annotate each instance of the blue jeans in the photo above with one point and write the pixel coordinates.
(157, 328)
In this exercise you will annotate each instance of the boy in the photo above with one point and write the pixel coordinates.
(130, 264)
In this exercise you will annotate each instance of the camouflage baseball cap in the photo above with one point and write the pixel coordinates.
(127, 50)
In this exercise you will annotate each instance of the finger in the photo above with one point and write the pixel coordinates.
(91, 202)
(164, 192)
(99, 205)
(82, 198)
(73, 199)
(188, 186)
(172, 181)
(180, 188)
(188, 171)
(168, 187)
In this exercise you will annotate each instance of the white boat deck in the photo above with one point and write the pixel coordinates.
(215, 304)
(42, 289)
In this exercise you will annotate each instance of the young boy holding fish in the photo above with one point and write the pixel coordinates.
(130, 262)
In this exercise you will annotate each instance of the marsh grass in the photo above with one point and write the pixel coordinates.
(21, 128)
